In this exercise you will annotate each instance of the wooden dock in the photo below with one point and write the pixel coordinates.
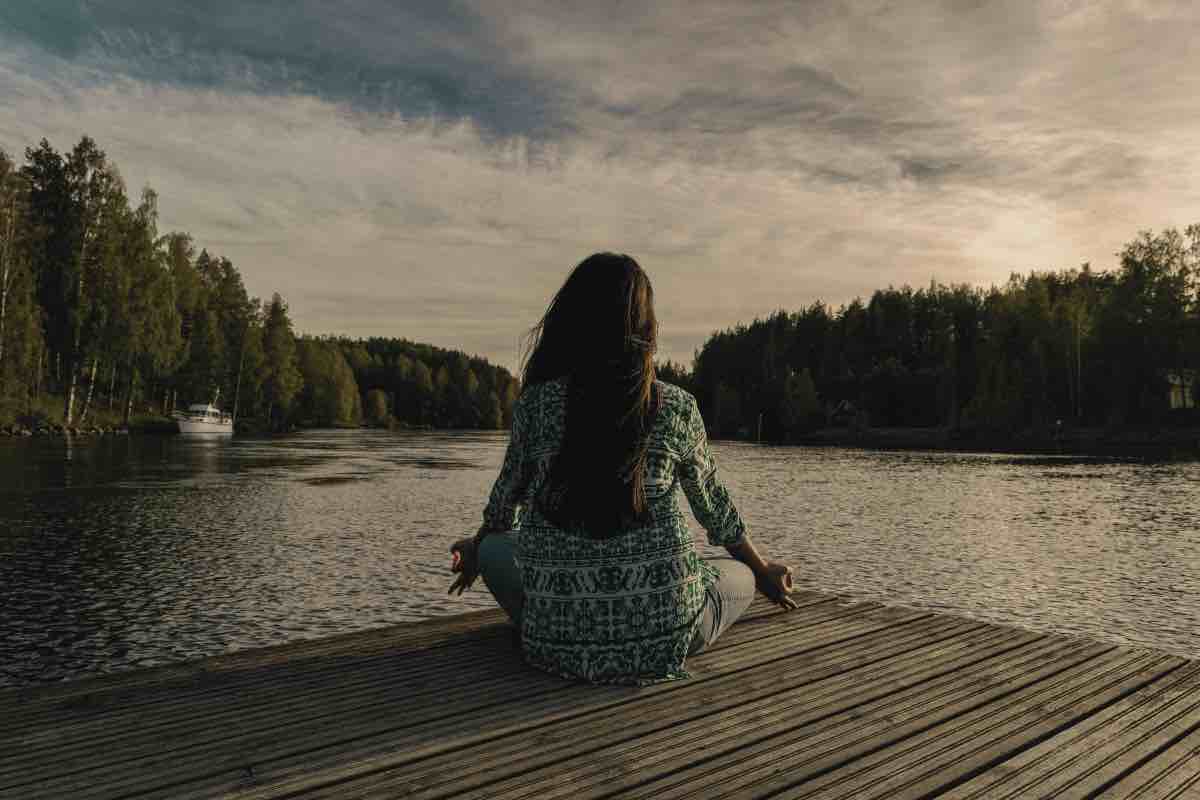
(836, 699)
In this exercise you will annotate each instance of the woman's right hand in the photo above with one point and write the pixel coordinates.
(466, 564)
(775, 581)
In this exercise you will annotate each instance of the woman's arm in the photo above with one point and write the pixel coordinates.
(708, 497)
(504, 506)
(714, 509)
(503, 510)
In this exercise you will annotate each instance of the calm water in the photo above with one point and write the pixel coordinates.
(126, 552)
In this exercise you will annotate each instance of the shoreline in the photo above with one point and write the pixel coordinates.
(1130, 443)
(1134, 443)
(20, 431)
(165, 427)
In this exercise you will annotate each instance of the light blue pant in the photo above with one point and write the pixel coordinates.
(728, 597)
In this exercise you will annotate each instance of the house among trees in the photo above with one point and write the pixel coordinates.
(1182, 391)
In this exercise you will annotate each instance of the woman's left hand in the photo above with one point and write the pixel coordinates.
(466, 565)
(775, 581)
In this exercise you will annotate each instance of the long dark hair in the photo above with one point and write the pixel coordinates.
(600, 333)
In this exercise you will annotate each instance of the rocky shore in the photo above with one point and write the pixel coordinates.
(63, 430)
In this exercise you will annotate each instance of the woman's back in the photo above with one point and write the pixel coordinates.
(618, 607)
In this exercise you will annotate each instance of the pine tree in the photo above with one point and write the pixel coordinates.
(282, 374)
(800, 409)
(493, 412)
(376, 408)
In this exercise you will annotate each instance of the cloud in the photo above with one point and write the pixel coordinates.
(433, 171)
(427, 59)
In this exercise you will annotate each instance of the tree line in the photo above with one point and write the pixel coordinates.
(1077, 347)
(409, 383)
(102, 317)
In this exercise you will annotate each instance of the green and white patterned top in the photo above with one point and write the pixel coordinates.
(619, 610)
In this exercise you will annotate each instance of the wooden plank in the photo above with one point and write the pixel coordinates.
(169, 737)
(893, 747)
(923, 765)
(301, 662)
(1160, 755)
(59, 730)
(819, 711)
(134, 701)
(516, 720)
(581, 699)
(809, 751)
(102, 705)
(396, 639)
(647, 710)
(575, 758)
(1074, 756)
(834, 700)
(284, 738)
(1173, 774)
(486, 665)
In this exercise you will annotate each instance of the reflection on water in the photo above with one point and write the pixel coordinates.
(133, 551)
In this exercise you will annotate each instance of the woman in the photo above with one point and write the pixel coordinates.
(583, 543)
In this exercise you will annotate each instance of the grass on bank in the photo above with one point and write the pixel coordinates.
(47, 411)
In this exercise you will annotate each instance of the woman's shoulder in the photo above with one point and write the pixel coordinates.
(676, 396)
(677, 402)
(538, 393)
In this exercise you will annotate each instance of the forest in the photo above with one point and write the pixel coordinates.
(105, 320)
(1048, 349)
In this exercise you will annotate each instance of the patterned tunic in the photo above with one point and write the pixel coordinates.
(624, 609)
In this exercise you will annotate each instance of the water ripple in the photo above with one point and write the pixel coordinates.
(132, 552)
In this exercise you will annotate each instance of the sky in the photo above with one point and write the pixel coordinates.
(433, 170)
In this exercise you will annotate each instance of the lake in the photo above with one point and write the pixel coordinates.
(125, 552)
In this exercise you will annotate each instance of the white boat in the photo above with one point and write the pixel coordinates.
(204, 418)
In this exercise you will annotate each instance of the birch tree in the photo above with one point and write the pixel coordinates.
(68, 202)
(11, 205)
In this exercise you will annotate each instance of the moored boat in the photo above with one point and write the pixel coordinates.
(204, 418)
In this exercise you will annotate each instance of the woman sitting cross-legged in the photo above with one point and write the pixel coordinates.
(583, 543)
